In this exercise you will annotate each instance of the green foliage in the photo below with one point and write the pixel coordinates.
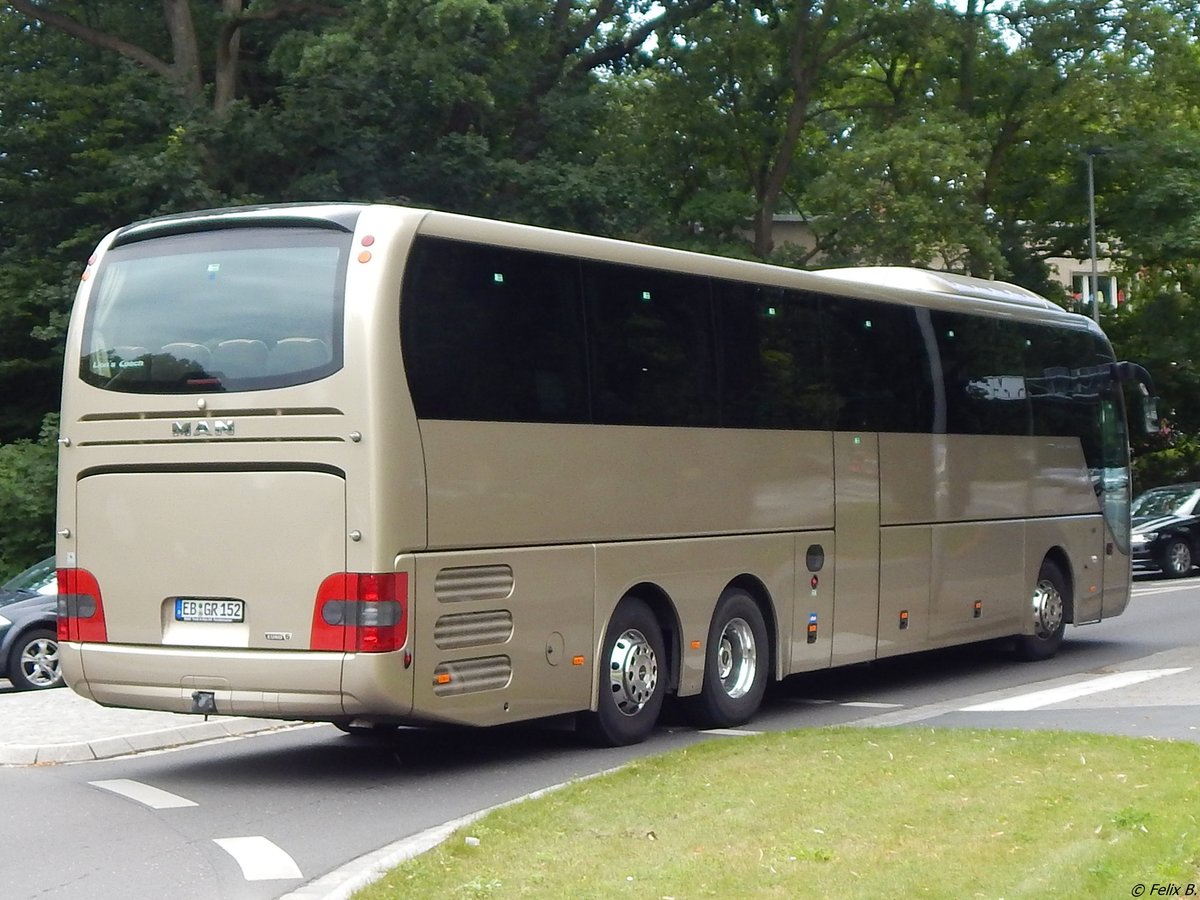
(28, 470)
(909, 132)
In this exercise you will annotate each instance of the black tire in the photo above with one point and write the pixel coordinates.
(33, 664)
(1048, 608)
(1176, 558)
(633, 678)
(736, 665)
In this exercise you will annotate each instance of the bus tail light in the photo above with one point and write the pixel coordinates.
(80, 609)
(361, 612)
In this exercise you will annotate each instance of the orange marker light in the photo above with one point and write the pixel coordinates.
(695, 645)
(365, 256)
(442, 678)
(577, 660)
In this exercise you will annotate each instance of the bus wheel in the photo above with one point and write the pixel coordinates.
(632, 678)
(736, 664)
(1048, 607)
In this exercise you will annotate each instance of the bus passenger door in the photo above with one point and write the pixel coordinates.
(856, 562)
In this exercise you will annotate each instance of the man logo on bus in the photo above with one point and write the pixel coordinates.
(203, 428)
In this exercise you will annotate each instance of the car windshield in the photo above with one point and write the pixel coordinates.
(39, 578)
(1163, 501)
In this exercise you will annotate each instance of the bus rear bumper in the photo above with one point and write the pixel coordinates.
(308, 685)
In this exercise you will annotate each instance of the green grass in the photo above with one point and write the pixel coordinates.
(845, 812)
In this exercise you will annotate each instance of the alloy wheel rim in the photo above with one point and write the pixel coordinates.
(632, 672)
(737, 658)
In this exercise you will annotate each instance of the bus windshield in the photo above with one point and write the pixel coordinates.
(227, 310)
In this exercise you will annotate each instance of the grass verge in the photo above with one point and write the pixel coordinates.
(844, 812)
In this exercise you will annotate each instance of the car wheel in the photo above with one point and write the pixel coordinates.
(34, 664)
(1176, 558)
(735, 666)
(633, 678)
(1048, 609)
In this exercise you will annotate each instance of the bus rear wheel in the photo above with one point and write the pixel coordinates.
(1048, 608)
(633, 676)
(736, 664)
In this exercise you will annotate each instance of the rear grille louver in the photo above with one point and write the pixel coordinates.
(465, 676)
(474, 583)
(479, 629)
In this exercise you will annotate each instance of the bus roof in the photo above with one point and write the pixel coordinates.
(940, 282)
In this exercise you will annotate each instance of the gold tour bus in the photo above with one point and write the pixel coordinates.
(374, 465)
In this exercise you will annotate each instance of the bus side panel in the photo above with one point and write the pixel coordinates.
(905, 563)
(979, 589)
(692, 574)
(957, 477)
(602, 483)
(502, 635)
(856, 603)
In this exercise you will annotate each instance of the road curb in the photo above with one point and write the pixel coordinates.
(125, 745)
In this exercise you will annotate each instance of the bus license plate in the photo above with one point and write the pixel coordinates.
(202, 609)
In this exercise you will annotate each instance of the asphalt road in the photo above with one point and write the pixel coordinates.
(293, 813)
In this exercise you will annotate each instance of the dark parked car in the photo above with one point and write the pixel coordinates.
(29, 628)
(1166, 528)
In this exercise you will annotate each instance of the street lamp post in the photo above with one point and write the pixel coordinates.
(1091, 177)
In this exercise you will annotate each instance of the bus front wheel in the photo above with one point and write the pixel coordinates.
(633, 676)
(735, 665)
(1048, 608)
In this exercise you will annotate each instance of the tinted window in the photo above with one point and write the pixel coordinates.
(493, 334)
(983, 368)
(651, 342)
(1069, 379)
(773, 372)
(230, 310)
(879, 366)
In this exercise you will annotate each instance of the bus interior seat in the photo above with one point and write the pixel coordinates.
(240, 358)
(295, 354)
(128, 352)
(188, 351)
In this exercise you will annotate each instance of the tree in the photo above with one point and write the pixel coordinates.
(201, 75)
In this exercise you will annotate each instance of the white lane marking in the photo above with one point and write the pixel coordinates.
(1176, 588)
(863, 704)
(143, 793)
(1026, 702)
(871, 704)
(730, 732)
(259, 858)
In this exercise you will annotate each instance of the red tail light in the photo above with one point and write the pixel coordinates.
(80, 608)
(360, 612)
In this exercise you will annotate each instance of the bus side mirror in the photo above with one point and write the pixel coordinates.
(1149, 412)
(1132, 372)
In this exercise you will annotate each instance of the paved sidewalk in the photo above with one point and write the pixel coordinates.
(59, 726)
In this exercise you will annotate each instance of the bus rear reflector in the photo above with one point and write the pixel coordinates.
(361, 612)
(80, 609)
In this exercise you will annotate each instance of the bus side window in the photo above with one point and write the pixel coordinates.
(651, 343)
(493, 334)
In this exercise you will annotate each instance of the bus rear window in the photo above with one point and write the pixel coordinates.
(229, 310)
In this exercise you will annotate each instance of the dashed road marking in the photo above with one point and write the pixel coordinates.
(1038, 699)
(730, 732)
(869, 704)
(143, 793)
(260, 859)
